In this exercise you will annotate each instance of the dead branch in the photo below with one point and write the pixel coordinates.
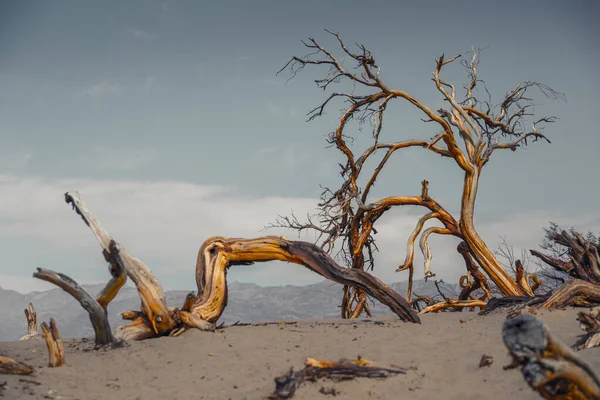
(582, 260)
(454, 304)
(56, 350)
(287, 384)
(154, 306)
(32, 328)
(219, 253)
(548, 366)
(12, 367)
(97, 313)
(575, 292)
(590, 323)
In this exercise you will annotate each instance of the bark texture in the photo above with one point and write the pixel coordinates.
(548, 366)
(56, 350)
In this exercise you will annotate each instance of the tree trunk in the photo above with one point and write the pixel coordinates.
(479, 249)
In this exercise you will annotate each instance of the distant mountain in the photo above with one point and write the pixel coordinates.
(246, 303)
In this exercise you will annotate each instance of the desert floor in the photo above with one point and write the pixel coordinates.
(441, 357)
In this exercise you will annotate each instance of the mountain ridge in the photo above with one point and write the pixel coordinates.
(247, 302)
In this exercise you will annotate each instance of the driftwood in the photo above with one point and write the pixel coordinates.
(216, 255)
(94, 308)
(548, 366)
(286, 385)
(13, 367)
(590, 323)
(575, 292)
(56, 350)
(32, 328)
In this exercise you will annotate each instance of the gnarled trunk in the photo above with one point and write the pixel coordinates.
(479, 249)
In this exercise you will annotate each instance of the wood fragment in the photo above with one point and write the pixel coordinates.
(287, 384)
(454, 304)
(56, 350)
(548, 366)
(32, 328)
(13, 367)
(590, 323)
(486, 361)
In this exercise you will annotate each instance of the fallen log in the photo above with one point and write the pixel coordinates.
(56, 350)
(32, 328)
(547, 365)
(287, 384)
(13, 367)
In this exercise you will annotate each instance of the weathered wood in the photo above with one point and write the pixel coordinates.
(97, 313)
(154, 305)
(575, 292)
(453, 304)
(548, 366)
(32, 328)
(287, 384)
(590, 323)
(219, 253)
(139, 329)
(13, 367)
(56, 350)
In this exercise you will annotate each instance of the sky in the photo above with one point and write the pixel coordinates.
(170, 120)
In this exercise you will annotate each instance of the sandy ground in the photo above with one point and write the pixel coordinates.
(441, 357)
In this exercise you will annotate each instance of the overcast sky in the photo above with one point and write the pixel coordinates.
(169, 119)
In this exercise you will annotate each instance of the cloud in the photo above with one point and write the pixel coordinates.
(117, 158)
(142, 35)
(290, 155)
(101, 89)
(165, 222)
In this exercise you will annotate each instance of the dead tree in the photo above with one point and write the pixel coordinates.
(548, 366)
(578, 257)
(470, 130)
(32, 328)
(202, 311)
(56, 350)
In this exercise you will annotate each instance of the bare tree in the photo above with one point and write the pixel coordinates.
(470, 130)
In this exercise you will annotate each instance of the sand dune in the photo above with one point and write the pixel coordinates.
(441, 357)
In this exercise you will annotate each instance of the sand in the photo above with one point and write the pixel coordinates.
(441, 357)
